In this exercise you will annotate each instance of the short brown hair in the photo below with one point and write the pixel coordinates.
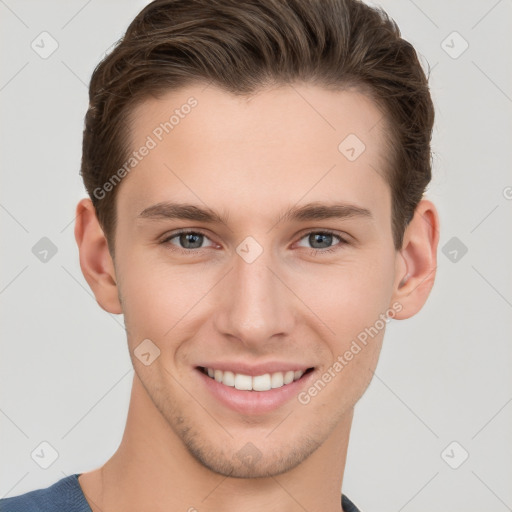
(243, 45)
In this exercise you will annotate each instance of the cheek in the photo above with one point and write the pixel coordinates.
(157, 298)
(351, 307)
(350, 297)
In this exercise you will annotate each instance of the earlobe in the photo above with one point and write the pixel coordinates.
(95, 259)
(417, 260)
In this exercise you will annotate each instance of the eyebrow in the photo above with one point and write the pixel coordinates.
(308, 212)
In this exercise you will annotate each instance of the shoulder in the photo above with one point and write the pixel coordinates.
(65, 494)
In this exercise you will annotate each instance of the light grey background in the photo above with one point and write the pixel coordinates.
(444, 375)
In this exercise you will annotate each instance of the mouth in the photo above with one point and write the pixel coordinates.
(258, 383)
(256, 394)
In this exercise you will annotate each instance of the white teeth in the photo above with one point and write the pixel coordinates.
(257, 383)
(277, 380)
(297, 374)
(243, 382)
(228, 379)
(288, 377)
(262, 382)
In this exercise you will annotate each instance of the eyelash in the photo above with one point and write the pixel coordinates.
(312, 252)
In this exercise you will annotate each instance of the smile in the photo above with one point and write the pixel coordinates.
(264, 382)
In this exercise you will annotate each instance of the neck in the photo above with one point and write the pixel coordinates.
(152, 469)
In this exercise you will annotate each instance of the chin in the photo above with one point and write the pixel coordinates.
(261, 459)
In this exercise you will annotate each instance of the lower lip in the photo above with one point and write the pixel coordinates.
(254, 402)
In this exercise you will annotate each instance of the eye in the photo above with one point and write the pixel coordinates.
(186, 240)
(322, 241)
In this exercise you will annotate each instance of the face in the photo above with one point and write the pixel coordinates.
(289, 265)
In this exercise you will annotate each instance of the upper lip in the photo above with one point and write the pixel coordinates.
(256, 369)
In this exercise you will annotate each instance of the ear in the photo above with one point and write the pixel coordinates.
(416, 262)
(95, 260)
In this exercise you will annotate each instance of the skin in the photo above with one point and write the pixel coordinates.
(251, 159)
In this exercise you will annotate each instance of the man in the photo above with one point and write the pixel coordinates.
(256, 172)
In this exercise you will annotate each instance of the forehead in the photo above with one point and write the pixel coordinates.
(280, 144)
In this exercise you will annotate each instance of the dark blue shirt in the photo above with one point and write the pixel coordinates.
(66, 496)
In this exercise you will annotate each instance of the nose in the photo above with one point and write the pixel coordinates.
(255, 305)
